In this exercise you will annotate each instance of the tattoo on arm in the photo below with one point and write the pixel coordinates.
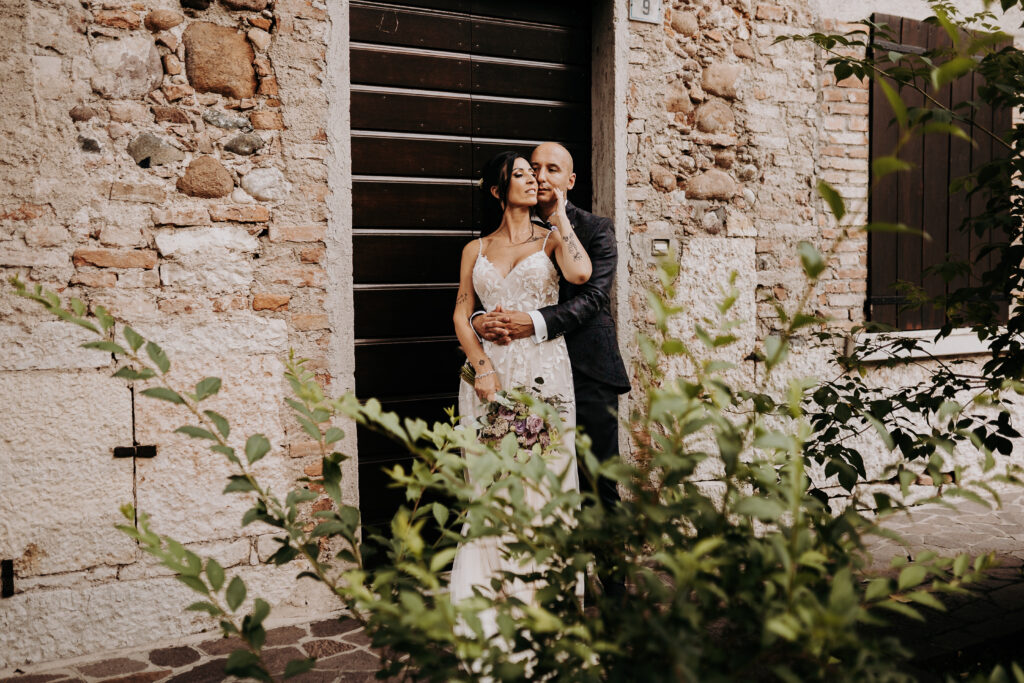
(572, 248)
(462, 298)
(481, 362)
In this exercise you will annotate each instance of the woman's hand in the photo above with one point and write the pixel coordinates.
(560, 203)
(487, 387)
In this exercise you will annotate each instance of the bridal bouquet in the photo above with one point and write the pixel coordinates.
(522, 412)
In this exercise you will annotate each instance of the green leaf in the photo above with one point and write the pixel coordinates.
(298, 666)
(164, 394)
(762, 508)
(219, 422)
(951, 70)
(883, 166)
(235, 594)
(238, 483)
(194, 582)
(105, 320)
(159, 358)
(440, 513)
(260, 611)
(811, 259)
(207, 387)
(132, 374)
(215, 573)
(256, 446)
(203, 606)
(880, 429)
(895, 101)
(133, 338)
(195, 432)
(333, 434)
(105, 346)
(912, 576)
(832, 198)
(245, 664)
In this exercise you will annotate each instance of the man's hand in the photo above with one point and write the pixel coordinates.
(501, 327)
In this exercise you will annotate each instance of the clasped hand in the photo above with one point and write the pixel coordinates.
(501, 327)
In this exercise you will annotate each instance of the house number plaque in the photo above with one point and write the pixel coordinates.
(645, 10)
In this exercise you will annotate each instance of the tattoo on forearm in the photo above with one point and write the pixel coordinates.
(572, 248)
(481, 362)
(462, 298)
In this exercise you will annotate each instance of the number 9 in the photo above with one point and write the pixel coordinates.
(647, 6)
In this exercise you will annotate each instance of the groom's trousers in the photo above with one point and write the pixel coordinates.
(597, 406)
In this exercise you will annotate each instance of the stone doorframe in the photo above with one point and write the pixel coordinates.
(609, 41)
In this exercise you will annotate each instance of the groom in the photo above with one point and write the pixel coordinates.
(582, 314)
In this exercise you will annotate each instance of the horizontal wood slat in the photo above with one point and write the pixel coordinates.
(411, 205)
(405, 259)
(406, 369)
(391, 156)
(399, 313)
(410, 113)
(400, 26)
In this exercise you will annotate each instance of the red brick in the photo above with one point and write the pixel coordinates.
(264, 301)
(22, 212)
(240, 213)
(115, 258)
(314, 470)
(268, 86)
(303, 449)
(313, 232)
(311, 254)
(175, 91)
(267, 120)
(770, 13)
(310, 321)
(260, 22)
(116, 18)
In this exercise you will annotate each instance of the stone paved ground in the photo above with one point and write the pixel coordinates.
(991, 618)
(340, 646)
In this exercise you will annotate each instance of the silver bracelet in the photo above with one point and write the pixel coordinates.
(486, 374)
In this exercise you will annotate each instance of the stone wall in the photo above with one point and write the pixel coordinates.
(729, 133)
(167, 160)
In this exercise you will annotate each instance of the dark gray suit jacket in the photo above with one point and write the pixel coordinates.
(583, 312)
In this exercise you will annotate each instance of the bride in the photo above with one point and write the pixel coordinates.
(514, 267)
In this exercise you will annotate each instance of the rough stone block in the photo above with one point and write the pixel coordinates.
(214, 275)
(46, 235)
(94, 278)
(48, 345)
(182, 216)
(181, 487)
(712, 184)
(720, 79)
(267, 120)
(206, 177)
(127, 67)
(203, 241)
(305, 322)
(219, 59)
(63, 487)
(706, 264)
(236, 334)
(117, 18)
(137, 192)
(121, 235)
(163, 19)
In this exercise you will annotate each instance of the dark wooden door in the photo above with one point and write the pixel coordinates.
(921, 197)
(438, 87)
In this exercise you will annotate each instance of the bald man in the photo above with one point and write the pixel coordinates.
(582, 314)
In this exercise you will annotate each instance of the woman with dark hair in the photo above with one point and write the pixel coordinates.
(514, 267)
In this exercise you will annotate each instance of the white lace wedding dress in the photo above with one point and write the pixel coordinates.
(529, 286)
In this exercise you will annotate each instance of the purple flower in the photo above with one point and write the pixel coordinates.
(534, 424)
(519, 426)
(506, 413)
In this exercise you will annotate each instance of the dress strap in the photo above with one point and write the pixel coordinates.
(545, 244)
(480, 245)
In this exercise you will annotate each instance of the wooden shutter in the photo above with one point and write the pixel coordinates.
(438, 87)
(920, 198)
